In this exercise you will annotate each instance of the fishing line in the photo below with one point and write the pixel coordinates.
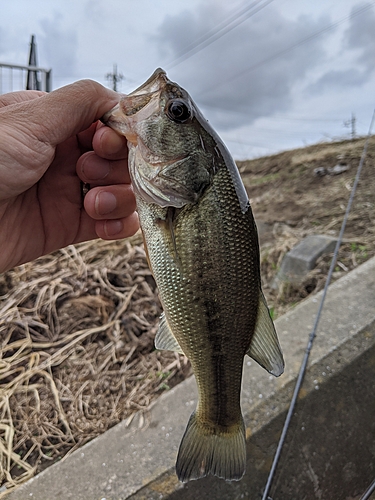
(312, 336)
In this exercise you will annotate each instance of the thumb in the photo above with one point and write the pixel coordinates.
(69, 110)
(30, 130)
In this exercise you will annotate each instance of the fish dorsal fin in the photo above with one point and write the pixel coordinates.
(165, 339)
(265, 348)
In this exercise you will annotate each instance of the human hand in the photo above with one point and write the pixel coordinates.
(49, 143)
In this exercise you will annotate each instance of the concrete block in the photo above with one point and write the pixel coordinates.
(302, 258)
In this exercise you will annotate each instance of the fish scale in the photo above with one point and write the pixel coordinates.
(213, 244)
(202, 246)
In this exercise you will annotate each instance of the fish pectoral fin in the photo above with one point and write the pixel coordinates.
(165, 339)
(171, 213)
(264, 347)
(146, 250)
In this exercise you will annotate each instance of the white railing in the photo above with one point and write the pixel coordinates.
(16, 77)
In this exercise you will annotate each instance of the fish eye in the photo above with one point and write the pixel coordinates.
(178, 111)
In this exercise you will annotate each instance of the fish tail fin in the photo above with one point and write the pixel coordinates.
(210, 451)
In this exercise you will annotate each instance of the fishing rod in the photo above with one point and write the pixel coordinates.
(369, 491)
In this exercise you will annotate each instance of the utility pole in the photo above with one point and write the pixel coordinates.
(33, 82)
(351, 123)
(114, 77)
(353, 126)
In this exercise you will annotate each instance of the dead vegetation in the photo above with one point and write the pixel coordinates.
(77, 326)
(77, 353)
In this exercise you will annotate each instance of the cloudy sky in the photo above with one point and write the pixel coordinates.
(268, 74)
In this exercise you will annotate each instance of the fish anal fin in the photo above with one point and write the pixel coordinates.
(165, 340)
(264, 347)
(206, 451)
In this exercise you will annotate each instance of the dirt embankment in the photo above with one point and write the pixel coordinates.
(297, 193)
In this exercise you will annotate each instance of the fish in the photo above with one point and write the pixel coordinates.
(202, 247)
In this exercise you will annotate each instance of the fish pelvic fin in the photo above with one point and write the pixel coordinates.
(264, 347)
(208, 451)
(165, 340)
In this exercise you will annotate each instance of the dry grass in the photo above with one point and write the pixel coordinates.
(318, 154)
(77, 354)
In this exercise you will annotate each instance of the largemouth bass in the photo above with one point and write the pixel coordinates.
(202, 246)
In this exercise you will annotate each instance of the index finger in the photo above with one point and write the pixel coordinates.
(109, 144)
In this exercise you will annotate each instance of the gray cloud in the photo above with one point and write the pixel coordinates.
(339, 78)
(359, 43)
(360, 36)
(59, 46)
(256, 48)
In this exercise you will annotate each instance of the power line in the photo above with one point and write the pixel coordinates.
(244, 111)
(312, 336)
(300, 42)
(228, 25)
(244, 143)
(218, 27)
(300, 119)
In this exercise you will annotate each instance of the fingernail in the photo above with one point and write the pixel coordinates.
(113, 227)
(105, 203)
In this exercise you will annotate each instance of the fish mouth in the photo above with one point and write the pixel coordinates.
(126, 124)
(114, 118)
(123, 118)
(136, 106)
(155, 83)
(151, 177)
(147, 182)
